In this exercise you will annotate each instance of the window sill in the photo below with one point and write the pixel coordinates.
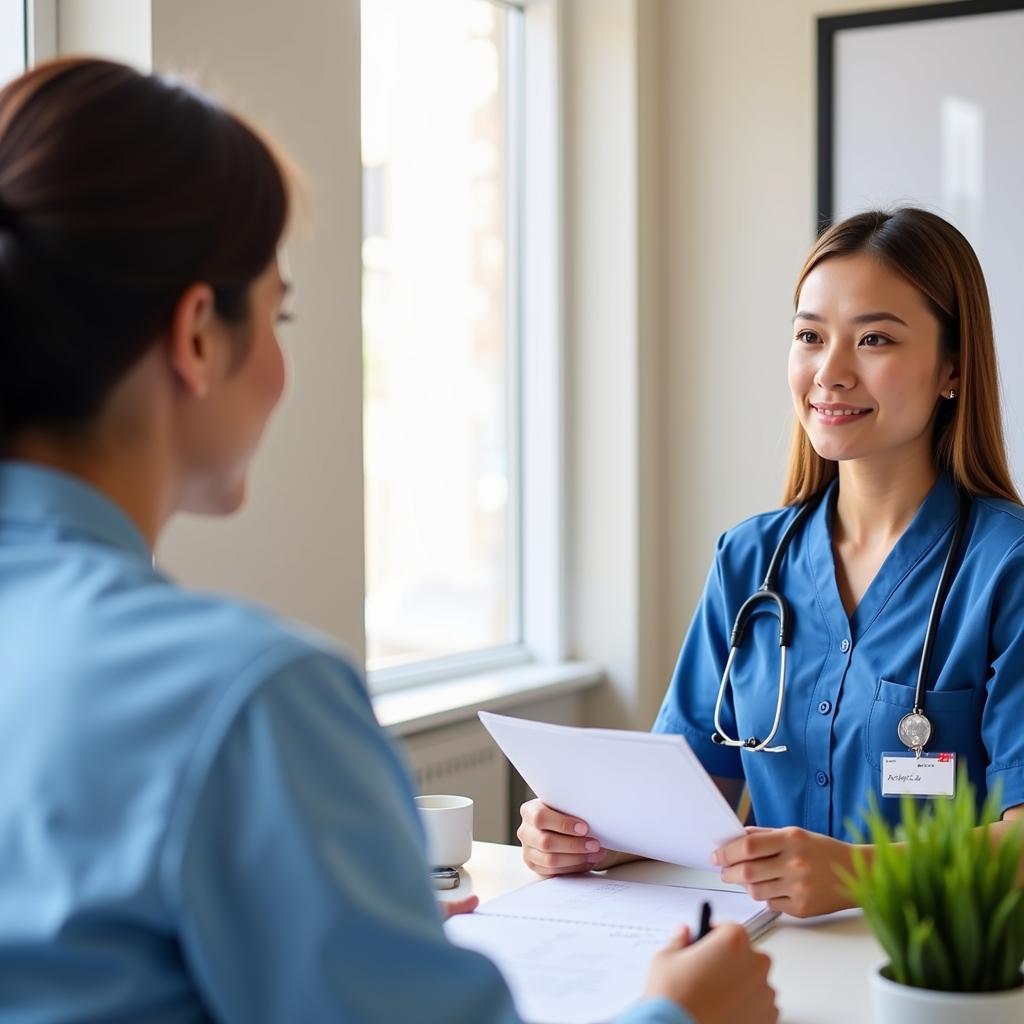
(429, 706)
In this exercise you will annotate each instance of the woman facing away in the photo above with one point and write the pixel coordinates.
(200, 818)
(898, 447)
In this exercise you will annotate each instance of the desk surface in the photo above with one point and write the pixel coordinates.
(820, 967)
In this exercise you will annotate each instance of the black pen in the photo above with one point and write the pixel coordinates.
(705, 921)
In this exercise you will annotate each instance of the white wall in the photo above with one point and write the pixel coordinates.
(294, 69)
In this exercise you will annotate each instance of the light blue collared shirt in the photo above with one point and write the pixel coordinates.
(199, 815)
(852, 678)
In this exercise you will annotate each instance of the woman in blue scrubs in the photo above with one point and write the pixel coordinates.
(892, 371)
(200, 818)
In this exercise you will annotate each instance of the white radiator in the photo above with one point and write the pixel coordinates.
(463, 759)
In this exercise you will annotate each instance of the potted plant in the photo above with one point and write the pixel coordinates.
(947, 907)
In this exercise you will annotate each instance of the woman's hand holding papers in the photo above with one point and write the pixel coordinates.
(791, 869)
(559, 844)
(719, 980)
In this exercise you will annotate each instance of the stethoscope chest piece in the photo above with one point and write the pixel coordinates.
(914, 730)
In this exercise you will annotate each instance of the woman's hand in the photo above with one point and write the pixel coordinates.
(559, 844)
(791, 869)
(719, 980)
(449, 908)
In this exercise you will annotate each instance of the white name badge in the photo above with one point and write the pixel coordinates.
(929, 775)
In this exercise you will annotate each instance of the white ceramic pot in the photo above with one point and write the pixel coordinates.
(901, 1004)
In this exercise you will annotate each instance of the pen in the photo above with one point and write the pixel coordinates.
(705, 920)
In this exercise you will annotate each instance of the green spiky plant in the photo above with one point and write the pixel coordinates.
(946, 905)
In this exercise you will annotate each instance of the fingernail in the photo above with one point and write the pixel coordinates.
(580, 828)
(715, 859)
(592, 845)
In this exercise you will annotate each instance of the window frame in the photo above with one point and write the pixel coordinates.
(41, 36)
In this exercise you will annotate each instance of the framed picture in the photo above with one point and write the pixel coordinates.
(923, 106)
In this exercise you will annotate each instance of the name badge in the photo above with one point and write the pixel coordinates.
(929, 775)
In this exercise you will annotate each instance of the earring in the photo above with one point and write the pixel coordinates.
(952, 393)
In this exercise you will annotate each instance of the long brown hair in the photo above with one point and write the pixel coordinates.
(118, 190)
(930, 253)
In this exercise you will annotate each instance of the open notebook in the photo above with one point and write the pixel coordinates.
(576, 949)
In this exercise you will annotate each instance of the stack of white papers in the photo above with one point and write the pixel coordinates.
(576, 949)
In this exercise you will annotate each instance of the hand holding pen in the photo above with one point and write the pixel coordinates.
(719, 980)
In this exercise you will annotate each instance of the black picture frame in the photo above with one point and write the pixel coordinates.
(828, 28)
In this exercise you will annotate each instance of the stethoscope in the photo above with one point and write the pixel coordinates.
(914, 729)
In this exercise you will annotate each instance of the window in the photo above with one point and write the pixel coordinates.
(28, 35)
(440, 141)
(12, 39)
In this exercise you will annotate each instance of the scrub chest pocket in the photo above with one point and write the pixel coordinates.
(955, 716)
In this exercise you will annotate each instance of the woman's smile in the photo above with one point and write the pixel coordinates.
(839, 414)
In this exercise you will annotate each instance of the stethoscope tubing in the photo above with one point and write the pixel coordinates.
(768, 593)
(939, 601)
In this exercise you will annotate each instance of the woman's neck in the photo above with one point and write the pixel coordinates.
(876, 502)
(126, 452)
(128, 469)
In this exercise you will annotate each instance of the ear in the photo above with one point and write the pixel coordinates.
(190, 345)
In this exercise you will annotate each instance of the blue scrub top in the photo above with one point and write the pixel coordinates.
(200, 818)
(851, 679)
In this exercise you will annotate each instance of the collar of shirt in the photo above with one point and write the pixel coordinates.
(934, 519)
(35, 495)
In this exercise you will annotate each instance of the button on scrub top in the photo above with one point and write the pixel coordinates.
(851, 679)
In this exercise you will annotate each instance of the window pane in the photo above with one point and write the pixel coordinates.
(438, 332)
(12, 39)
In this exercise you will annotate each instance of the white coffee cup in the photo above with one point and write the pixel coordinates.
(448, 822)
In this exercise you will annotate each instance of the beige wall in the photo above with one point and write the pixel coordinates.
(298, 544)
(600, 77)
(738, 215)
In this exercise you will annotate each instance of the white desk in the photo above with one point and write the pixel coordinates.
(820, 967)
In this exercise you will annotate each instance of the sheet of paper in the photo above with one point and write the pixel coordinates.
(562, 973)
(577, 949)
(596, 899)
(639, 792)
